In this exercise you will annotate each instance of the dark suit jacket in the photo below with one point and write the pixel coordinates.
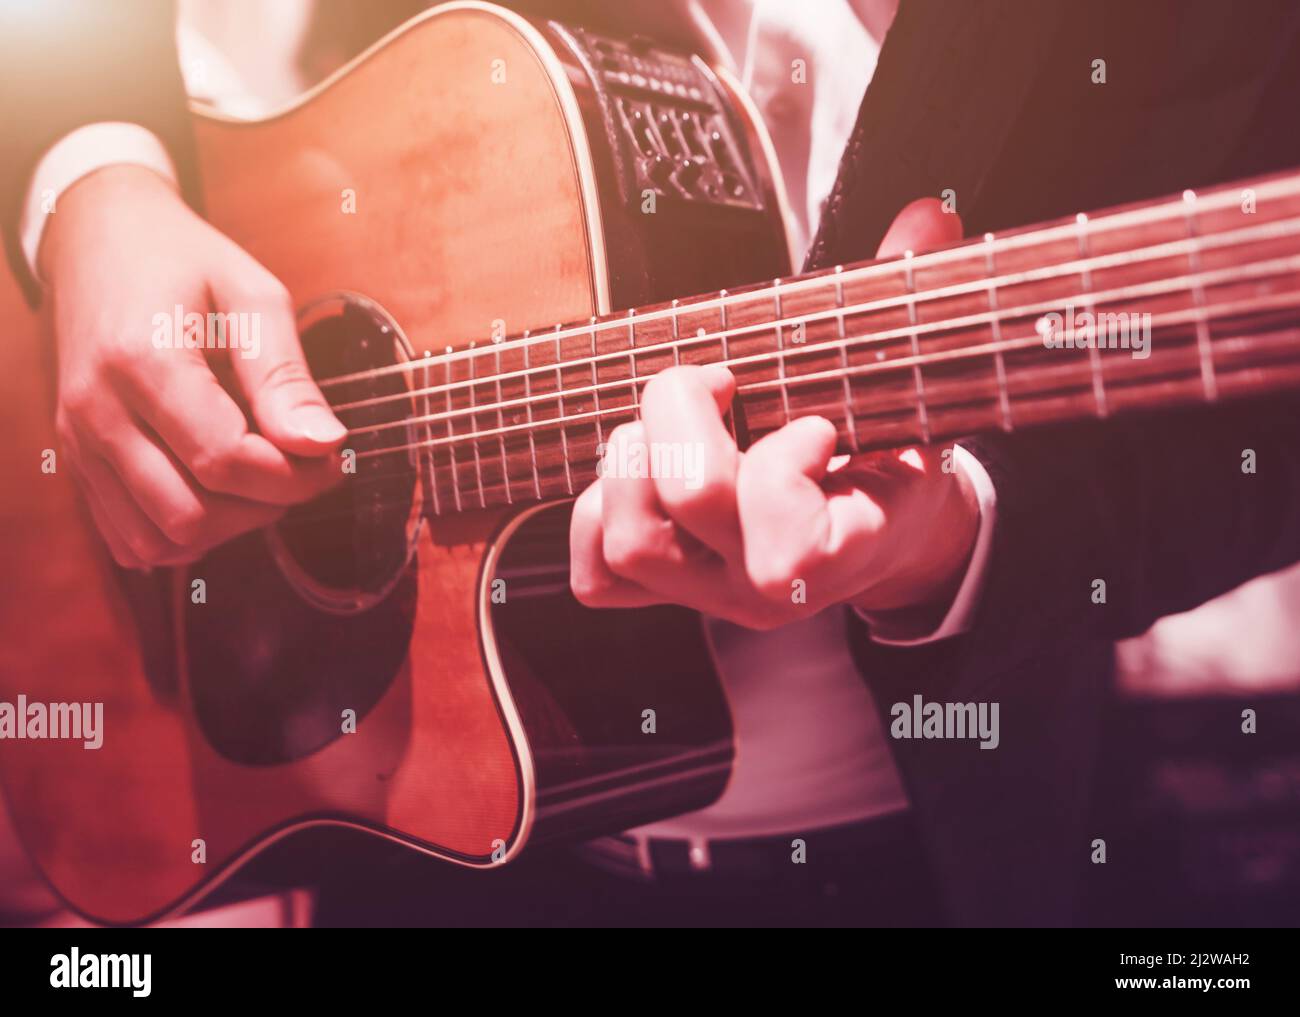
(994, 99)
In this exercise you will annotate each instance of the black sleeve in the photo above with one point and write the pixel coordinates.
(68, 63)
(1163, 509)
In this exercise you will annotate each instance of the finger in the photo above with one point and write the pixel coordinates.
(272, 372)
(590, 578)
(922, 225)
(157, 486)
(639, 542)
(117, 547)
(792, 531)
(203, 427)
(145, 542)
(882, 474)
(192, 519)
(697, 458)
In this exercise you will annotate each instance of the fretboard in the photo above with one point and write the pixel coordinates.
(1192, 299)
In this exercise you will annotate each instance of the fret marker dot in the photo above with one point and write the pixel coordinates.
(1081, 219)
(1189, 196)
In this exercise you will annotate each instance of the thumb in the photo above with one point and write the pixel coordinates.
(922, 225)
(287, 405)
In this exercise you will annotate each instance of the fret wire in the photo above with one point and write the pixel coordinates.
(677, 354)
(726, 356)
(922, 414)
(850, 421)
(528, 395)
(559, 388)
(631, 341)
(473, 423)
(780, 348)
(595, 384)
(999, 363)
(501, 438)
(430, 457)
(1085, 298)
(451, 445)
(1204, 347)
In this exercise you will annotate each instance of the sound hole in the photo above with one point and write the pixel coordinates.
(344, 550)
(309, 623)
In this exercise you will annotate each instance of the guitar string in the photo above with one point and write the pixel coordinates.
(1168, 250)
(1193, 315)
(703, 337)
(490, 495)
(988, 317)
(1040, 236)
(1284, 301)
(1167, 285)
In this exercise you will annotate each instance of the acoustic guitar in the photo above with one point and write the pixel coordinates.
(403, 655)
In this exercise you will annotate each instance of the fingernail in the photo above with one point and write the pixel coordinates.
(318, 424)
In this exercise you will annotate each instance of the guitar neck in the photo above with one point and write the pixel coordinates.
(1192, 299)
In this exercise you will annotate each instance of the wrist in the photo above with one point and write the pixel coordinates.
(96, 196)
(934, 558)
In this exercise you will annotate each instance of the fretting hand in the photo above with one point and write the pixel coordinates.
(772, 534)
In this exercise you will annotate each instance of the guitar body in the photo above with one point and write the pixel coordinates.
(383, 662)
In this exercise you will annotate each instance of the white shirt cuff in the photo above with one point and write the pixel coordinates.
(962, 612)
(76, 155)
